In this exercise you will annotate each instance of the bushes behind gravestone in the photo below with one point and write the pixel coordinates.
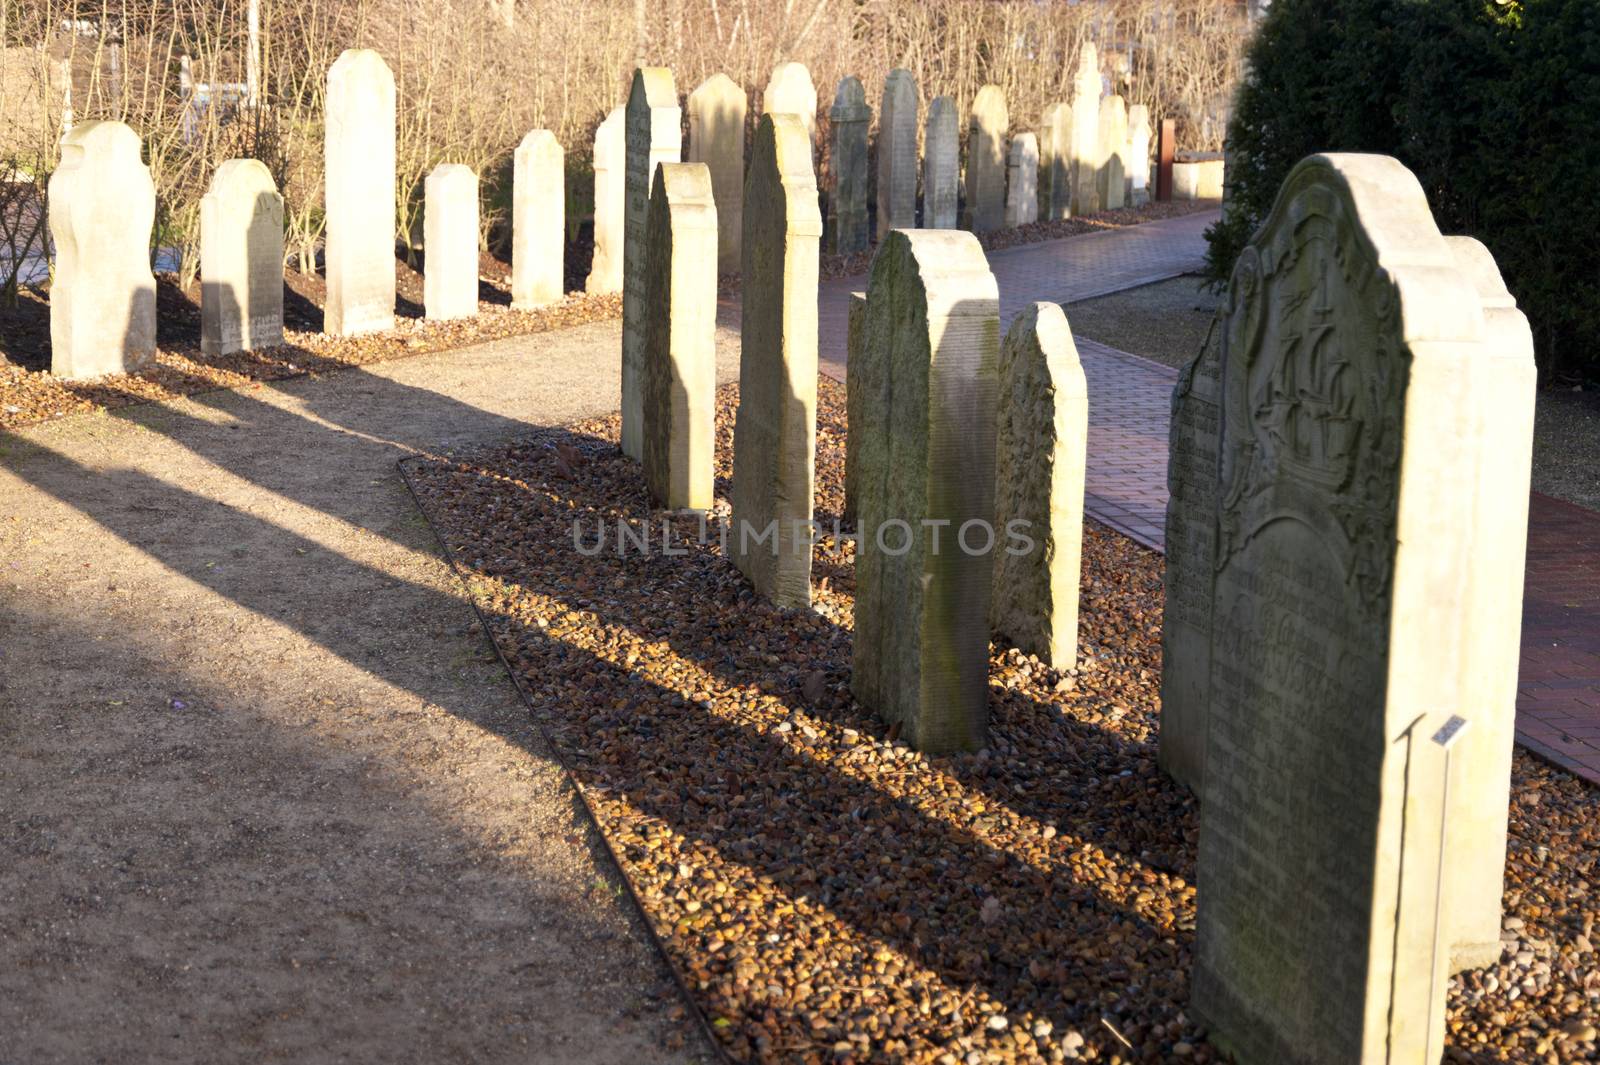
(1491, 104)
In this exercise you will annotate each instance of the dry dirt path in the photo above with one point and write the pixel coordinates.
(265, 793)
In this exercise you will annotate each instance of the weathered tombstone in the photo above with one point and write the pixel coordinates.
(925, 473)
(1039, 473)
(103, 299)
(1086, 155)
(790, 91)
(1139, 154)
(241, 259)
(1055, 162)
(986, 160)
(774, 437)
(679, 371)
(610, 203)
(716, 138)
(450, 242)
(854, 391)
(847, 121)
(1113, 152)
(359, 175)
(1022, 182)
(1342, 623)
(897, 153)
(538, 221)
(941, 165)
(654, 125)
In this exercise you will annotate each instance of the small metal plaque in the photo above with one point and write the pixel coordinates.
(1450, 731)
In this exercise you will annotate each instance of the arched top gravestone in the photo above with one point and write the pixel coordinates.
(897, 153)
(716, 138)
(359, 180)
(986, 160)
(790, 91)
(241, 259)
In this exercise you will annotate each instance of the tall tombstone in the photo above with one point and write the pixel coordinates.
(986, 160)
(1139, 154)
(897, 153)
(1086, 157)
(679, 379)
(716, 138)
(1113, 152)
(1055, 162)
(941, 165)
(854, 404)
(360, 195)
(241, 259)
(925, 473)
(790, 91)
(655, 136)
(848, 120)
(1166, 153)
(103, 298)
(610, 203)
(1342, 623)
(774, 436)
(1022, 181)
(538, 221)
(450, 242)
(1039, 475)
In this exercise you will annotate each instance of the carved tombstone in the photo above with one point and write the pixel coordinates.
(359, 177)
(1022, 181)
(1039, 474)
(941, 165)
(241, 260)
(679, 379)
(610, 203)
(1113, 152)
(103, 299)
(847, 165)
(654, 136)
(450, 241)
(716, 138)
(925, 477)
(986, 160)
(538, 221)
(1086, 156)
(1055, 162)
(1139, 155)
(790, 91)
(774, 437)
(854, 393)
(1342, 623)
(897, 153)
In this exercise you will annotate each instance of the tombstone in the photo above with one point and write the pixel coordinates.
(847, 165)
(1022, 181)
(103, 299)
(1166, 152)
(925, 477)
(716, 138)
(610, 203)
(1139, 155)
(1055, 163)
(774, 436)
(1039, 472)
(358, 253)
(1113, 153)
(538, 221)
(654, 127)
(1353, 388)
(450, 242)
(241, 260)
(854, 391)
(1197, 176)
(986, 160)
(1086, 158)
(790, 91)
(679, 369)
(941, 165)
(897, 153)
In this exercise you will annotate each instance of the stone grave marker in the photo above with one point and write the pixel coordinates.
(1055, 162)
(986, 160)
(654, 136)
(679, 379)
(716, 138)
(897, 153)
(941, 165)
(610, 203)
(854, 391)
(774, 437)
(925, 468)
(450, 242)
(359, 176)
(848, 120)
(1086, 154)
(1113, 152)
(241, 259)
(790, 91)
(103, 297)
(1139, 154)
(538, 221)
(1022, 181)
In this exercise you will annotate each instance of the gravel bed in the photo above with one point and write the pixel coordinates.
(1167, 321)
(1566, 445)
(829, 895)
